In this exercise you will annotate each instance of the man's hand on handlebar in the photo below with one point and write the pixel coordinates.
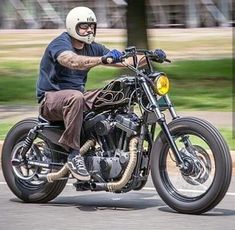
(117, 57)
(159, 56)
(112, 57)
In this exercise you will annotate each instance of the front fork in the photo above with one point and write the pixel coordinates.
(162, 122)
(171, 142)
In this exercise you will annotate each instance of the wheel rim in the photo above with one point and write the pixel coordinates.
(26, 176)
(192, 184)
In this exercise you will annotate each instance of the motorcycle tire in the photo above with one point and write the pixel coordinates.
(166, 178)
(26, 191)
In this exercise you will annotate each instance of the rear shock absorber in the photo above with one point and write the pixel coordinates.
(32, 135)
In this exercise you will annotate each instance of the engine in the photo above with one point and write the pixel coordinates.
(112, 132)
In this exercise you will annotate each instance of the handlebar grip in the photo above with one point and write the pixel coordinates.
(109, 60)
(106, 60)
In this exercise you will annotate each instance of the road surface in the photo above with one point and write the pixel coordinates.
(100, 210)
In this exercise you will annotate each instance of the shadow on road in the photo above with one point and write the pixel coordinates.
(118, 202)
(104, 201)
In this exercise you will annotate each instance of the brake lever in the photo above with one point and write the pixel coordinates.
(167, 60)
(151, 55)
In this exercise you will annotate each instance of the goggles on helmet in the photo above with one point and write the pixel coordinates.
(85, 26)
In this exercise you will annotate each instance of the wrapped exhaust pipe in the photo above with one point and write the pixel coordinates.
(115, 186)
(112, 186)
(64, 170)
(118, 185)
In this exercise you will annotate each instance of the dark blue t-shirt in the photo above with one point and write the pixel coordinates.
(53, 76)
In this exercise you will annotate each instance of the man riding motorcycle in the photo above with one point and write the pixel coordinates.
(63, 74)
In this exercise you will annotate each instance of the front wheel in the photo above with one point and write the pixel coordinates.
(203, 183)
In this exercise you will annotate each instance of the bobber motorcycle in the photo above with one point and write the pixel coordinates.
(189, 160)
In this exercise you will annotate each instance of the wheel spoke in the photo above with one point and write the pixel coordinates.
(27, 174)
(200, 167)
(24, 171)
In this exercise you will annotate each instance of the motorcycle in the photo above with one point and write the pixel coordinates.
(189, 160)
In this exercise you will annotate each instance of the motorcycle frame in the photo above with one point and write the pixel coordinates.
(146, 85)
(53, 131)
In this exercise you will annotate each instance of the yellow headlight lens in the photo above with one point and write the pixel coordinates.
(161, 85)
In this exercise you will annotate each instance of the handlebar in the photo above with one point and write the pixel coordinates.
(133, 52)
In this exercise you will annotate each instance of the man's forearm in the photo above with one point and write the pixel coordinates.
(71, 60)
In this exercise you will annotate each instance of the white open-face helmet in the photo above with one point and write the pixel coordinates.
(77, 16)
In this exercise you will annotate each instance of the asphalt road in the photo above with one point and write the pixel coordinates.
(100, 210)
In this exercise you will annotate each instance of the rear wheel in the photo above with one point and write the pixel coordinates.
(22, 179)
(202, 184)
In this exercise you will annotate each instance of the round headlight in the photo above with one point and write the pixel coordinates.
(161, 85)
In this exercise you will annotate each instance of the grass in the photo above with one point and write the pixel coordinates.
(201, 43)
(4, 128)
(17, 82)
(195, 85)
(228, 136)
(201, 85)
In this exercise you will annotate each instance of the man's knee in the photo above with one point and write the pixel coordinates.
(76, 97)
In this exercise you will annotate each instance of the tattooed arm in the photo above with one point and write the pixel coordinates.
(71, 60)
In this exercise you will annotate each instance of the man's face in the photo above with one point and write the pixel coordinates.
(86, 28)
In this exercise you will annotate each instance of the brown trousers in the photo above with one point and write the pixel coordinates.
(68, 106)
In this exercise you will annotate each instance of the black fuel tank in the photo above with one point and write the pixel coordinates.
(116, 93)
